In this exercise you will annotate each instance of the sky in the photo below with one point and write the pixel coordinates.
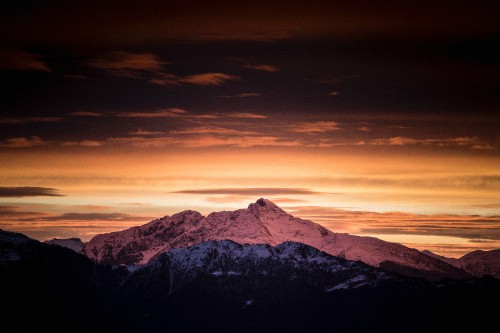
(372, 118)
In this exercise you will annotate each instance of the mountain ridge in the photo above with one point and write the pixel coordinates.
(262, 222)
(477, 263)
(223, 286)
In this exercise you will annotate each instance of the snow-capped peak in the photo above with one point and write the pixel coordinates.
(262, 222)
(265, 205)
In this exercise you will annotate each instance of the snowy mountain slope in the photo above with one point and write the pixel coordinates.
(477, 263)
(261, 223)
(74, 244)
(254, 264)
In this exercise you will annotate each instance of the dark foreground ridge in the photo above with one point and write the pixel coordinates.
(223, 286)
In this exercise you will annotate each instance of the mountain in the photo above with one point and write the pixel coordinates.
(452, 261)
(289, 260)
(477, 263)
(223, 286)
(261, 223)
(51, 288)
(480, 263)
(74, 244)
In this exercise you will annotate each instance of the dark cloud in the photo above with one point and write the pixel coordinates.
(252, 191)
(25, 120)
(150, 67)
(27, 191)
(263, 68)
(163, 113)
(465, 141)
(22, 60)
(90, 217)
(86, 114)
(473, 227)
(22, 142)
(128, 64)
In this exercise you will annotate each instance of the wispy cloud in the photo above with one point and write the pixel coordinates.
(488, 206)
(465, 141)
(263, 68)
(25, 120)
(82, 143)
(201, 79)
(212, 130)
(208, 79)
(87, 217)
(141, 132)
(315, 127)
(472, 227)
(255, 65)
(22, 142)
(86, 114)
(22, 60)
(205, 141)
(245, 115)
(162, 113)
(242, 95)
(150, 67)
(252, 191)
(28, 191)
(126, 64)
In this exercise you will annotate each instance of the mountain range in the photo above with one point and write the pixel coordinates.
(262, 222)
(254, 269)
(224, 286)
(477, 263)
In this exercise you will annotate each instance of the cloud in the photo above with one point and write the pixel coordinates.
(82, 143)
(202, 79)
(458, 181)
(204, 141)
(245, 115)
(162, 113)
(399, 127)
(22, 142)
(27, 191)
(208, 79)
(86, 114)
(25, 120)
(242, 95)
(488, 206)
(126, 64)
(89, 217)
(255, 65)
(364, 129)
(253, 191)
(149, 67)
(471, 227)
(22, 60)
(263, 68)
(333, 93)
(315, 127)
(212, 130)
(165, 79)
(465, 141)
(147, 133)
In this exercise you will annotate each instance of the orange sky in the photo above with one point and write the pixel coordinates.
(105, 190)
